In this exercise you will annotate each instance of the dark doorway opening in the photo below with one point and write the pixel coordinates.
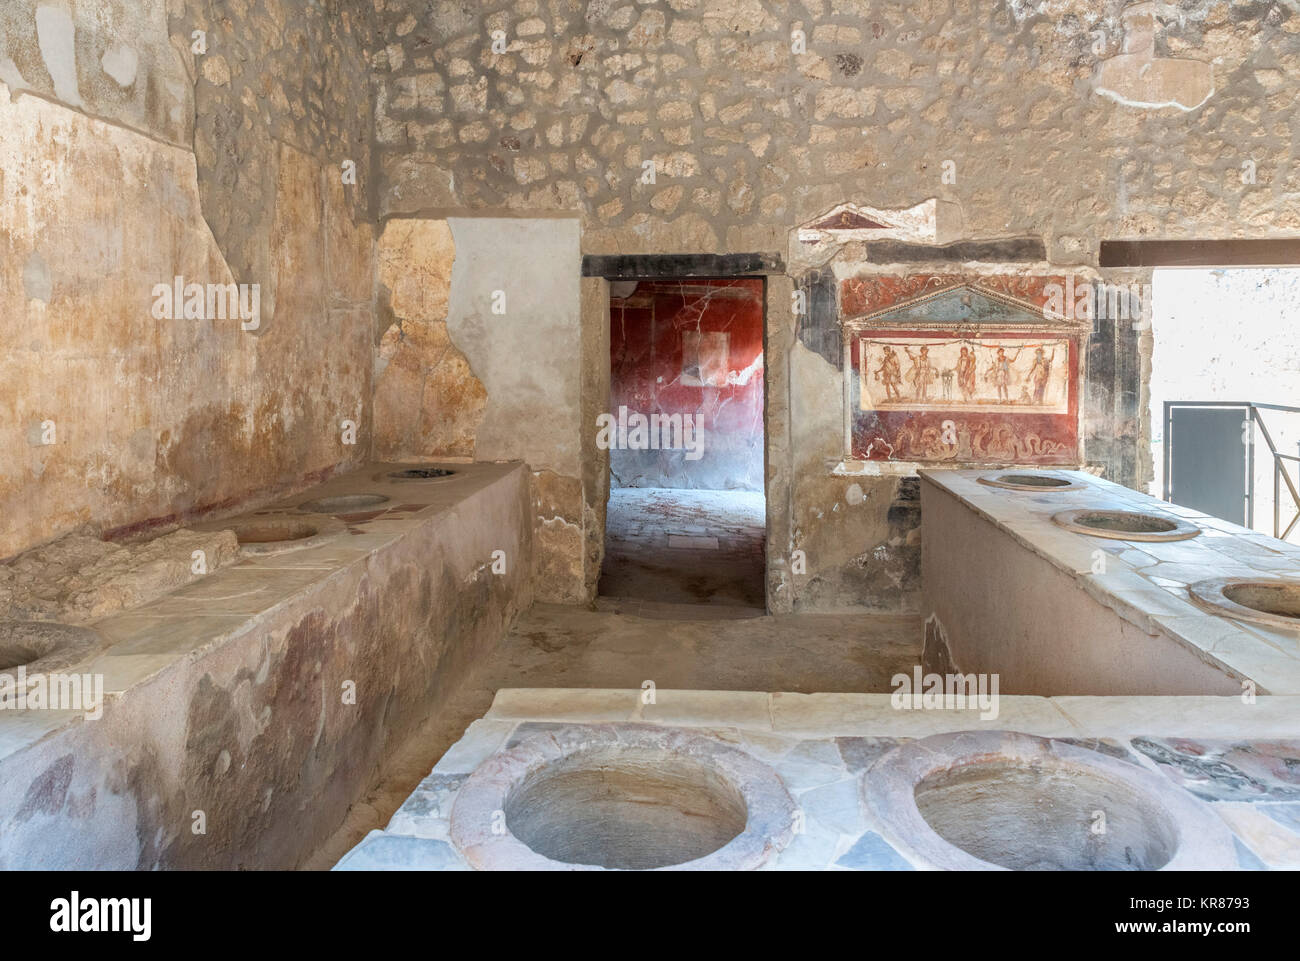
(686, 517)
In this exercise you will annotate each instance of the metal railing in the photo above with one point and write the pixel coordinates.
(1281, 475)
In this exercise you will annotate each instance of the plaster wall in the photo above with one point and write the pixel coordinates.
(117, 418)
(484, 360)
(109, 59)
(121, 420)
(515, 312)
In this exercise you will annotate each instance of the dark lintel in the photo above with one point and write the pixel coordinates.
(1281, 252)
(1010, 250)
(674, 266)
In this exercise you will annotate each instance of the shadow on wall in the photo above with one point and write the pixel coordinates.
(691, 350)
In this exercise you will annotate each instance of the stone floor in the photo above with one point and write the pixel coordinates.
(554, 646)
(685, 547)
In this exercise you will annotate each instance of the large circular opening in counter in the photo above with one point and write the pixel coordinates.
(1280, 600)
(621, 796)
(273, 531)
(277, 532)
(1046, 817)
(1126, 525)
(627, 809)
(1274, 602)
(42, 646)
(1002, 800)
(1026, 481)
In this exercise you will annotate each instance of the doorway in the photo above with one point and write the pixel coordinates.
(1224, 373)
(686, 518)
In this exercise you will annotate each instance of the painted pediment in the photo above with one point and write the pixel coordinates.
(849, 222)
(849, 219)
(961, 306)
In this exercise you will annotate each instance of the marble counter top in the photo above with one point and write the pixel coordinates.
(1239, 758)
(235, 600)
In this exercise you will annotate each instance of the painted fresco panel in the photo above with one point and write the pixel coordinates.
(944, 370)
(1007, 374)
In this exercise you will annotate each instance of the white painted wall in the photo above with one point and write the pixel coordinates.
(528, 356)
(1230, 334)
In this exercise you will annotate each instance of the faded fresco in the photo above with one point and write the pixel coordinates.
(704, 358)
(998, 374)
(962, 371)
(691, 349)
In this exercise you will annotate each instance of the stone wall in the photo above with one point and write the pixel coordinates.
(275, 72)
(750, 138)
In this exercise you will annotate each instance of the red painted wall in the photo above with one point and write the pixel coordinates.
(651, 334)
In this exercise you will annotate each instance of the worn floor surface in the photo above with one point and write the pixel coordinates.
(685, 547)
(687, 647)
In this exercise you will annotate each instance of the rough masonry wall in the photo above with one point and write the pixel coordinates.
(275, 72)
(750, 138)
(112, 415)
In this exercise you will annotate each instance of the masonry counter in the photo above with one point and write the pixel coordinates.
(244, 713)
(1064, 583)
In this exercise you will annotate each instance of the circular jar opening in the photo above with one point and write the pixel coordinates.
(23, 643)
(625, 808)
(1035, 480)
(1279, 600)
(1128, 522)
(343, 503)
(420, 473)
(1046, 817)
(1032, 482)
(272, 532)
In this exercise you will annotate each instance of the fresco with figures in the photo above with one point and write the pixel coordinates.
(960, 370)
